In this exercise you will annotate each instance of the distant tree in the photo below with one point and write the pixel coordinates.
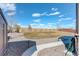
(9, 29)
(17, 28)
(29, 27)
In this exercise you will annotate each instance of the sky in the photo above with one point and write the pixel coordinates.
(41, 15)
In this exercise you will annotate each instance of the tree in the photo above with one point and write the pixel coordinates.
(17, 28)
(29, 27)
(9, 29)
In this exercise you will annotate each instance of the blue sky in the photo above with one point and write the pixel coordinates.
(41, 15)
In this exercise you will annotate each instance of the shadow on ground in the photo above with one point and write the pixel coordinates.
(69, 43)
(19, 47)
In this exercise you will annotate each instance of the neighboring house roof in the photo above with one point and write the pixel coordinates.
(3, 16)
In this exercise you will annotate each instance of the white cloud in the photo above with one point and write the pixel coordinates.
(52, 23)
(54, 9)
(36, 14)
(62, 19)
(46, 25)
(33, 24)
(23, 26)
(37, 20)
(71, 25)
(61, 15)
(44, 14)
(67, 18)
(39, 14)
(11, 13)
(9, 8)
(42, 25)
(49, 25)
(55, 13)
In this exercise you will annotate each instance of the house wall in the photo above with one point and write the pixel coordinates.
(3, 37)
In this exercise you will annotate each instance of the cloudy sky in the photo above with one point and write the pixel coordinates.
(50, 15)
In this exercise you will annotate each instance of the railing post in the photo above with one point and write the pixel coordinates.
(77, 26)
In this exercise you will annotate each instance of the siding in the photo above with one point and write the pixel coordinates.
(3, 32)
